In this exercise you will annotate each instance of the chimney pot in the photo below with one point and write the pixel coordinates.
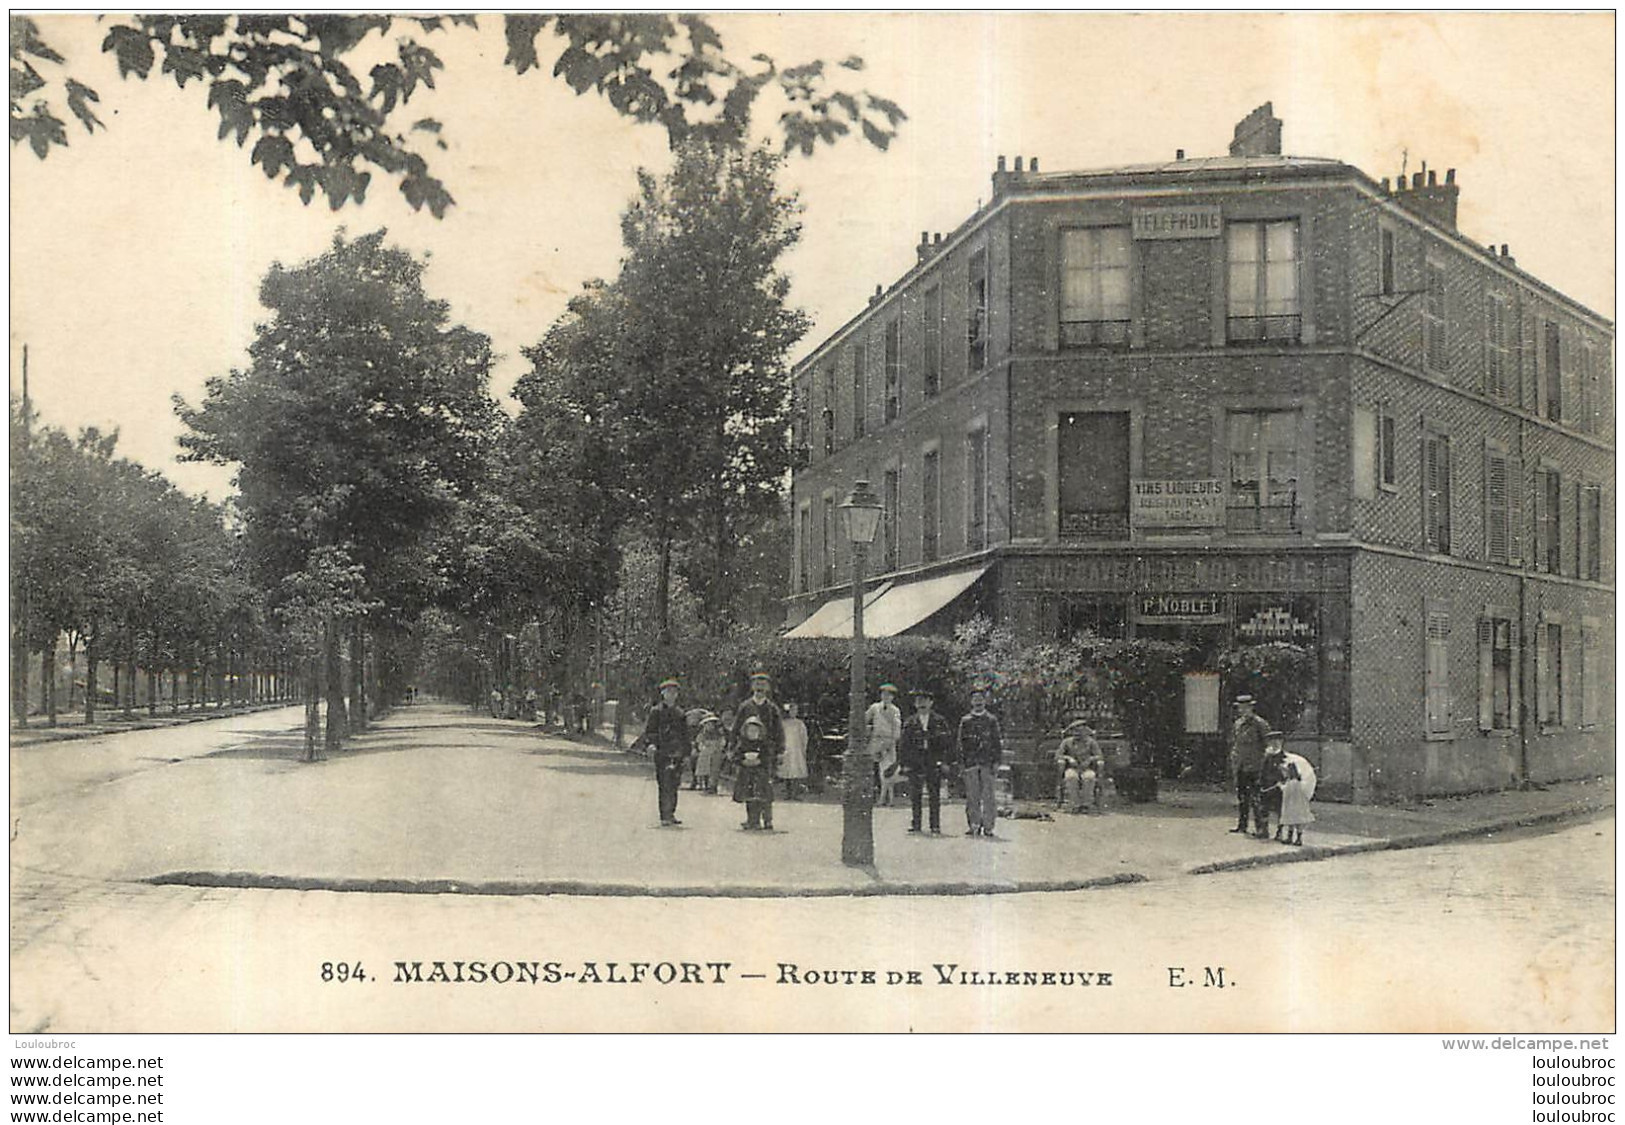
(1384, 185)
(1504, 253)
(1416, 180)
(1001, 163)
(1179, 154)
(1033, 166)
(1018, 163)
(1433, 179)
(1450, 175)
(925, 237)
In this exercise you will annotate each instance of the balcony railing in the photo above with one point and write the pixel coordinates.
(1095, 525)
(1262, 518)
(1264, 329)
(1095, 333)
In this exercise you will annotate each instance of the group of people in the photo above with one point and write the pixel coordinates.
(765, 744)
(574, 712)
(1272, 785)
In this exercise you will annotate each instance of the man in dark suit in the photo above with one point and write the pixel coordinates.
(928, 743)
(667, 736)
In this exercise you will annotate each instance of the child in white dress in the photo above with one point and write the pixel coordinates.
(1294, 805)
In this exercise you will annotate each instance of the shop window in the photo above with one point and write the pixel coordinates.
(976, 324)
(1263, 291)
(930, 505)
(931, 381)
(1437, 673)
(1436, 493)
(1495, 671)
(1103, 618)
(1263, 452)
(1095, 264)
(1092, 453)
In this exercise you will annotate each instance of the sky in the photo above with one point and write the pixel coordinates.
(136, 254)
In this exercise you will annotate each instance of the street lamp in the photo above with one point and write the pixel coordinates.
(862, 515)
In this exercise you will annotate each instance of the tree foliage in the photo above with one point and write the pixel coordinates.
(667, 390)
(324, 123)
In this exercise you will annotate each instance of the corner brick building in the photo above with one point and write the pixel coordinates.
(1239, 399)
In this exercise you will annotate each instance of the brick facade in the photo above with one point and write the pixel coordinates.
(1417, 427)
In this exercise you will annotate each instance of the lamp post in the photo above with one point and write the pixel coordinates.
(862, 515)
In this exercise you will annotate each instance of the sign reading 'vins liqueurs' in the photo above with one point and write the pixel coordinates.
(1176, 503)
(1194, 221)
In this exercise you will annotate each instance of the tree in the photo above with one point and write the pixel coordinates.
(677, 372)
(361, 423)
(292, 84)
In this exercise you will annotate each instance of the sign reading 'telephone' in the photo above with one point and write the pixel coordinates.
(1195, 221)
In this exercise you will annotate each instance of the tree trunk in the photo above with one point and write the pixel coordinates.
(47, 670)
(313, 703)
(335, 686)
(73, 667)
(154, 678)
(118, 684)
(130, 679)
(174, 691)
(663, 591)
(90, 681)
(19, 677)
(358, 677)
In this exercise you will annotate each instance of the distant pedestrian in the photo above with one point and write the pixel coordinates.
(885, 726)
(753, 785)
(666, 734)
(496, 703)
(793, 765)
(1246, 758)
(980, 751)
(927, 746)
(710, 744)
(530, 705)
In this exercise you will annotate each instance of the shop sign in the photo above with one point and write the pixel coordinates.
(1194, 221)
(1176, 503)
(1276, 623)
(1179, 609)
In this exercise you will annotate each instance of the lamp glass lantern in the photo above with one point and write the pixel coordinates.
(862, 512)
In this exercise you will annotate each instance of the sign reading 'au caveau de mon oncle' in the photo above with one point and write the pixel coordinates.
(1194, 221)
(1176, 503)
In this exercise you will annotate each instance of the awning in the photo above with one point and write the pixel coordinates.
(834, 617)
(892, 608)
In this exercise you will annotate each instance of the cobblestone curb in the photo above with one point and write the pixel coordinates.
(238, 880)
(1312, 852)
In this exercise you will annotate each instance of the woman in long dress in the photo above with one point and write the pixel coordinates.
(793, 765)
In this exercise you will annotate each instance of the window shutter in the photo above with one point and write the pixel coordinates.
(1540, 520)
(1365, 454)
(1515, 530)
(1430, 492)
(1590, 648)
(1543, 685)
(1486, 674)
(1496, 532)
(1438, 672)
(1445, 498)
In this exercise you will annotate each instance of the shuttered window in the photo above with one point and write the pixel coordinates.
(1495, 673)
(894, 371)
(1365, 454)
(1549, 673)
(930, 505)
(1497, 350)
(1435, 350)
(1549, 521)
(1590, 671)
(1436, 493)
(1437, 675)
(1591, 532)
(1497, 507)
(932, 325)
(860, 389)
(976, 306)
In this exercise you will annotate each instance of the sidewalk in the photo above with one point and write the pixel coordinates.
(72, 727)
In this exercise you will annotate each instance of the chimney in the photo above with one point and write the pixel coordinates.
(1506, 256)
(1018, 165)
(937, 240)
(1258, 134)
(1032, 165)
(1432, 200)
(1001, 177)
(1179, 154)
(1001, 164)
(923, 250)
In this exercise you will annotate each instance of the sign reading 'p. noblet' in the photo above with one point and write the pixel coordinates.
(1196, 221)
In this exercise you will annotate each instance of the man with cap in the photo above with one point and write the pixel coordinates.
(760, 705)
(927, 746)
(1246, 759)
(980, 750)
(885, 725)
(667, 735)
